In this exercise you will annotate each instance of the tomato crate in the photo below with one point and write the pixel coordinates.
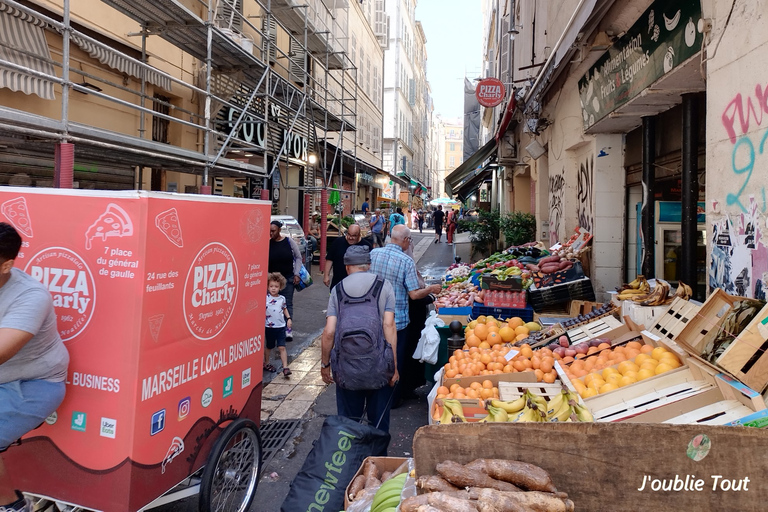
(543, 298)
(511, 283)
(499, 299)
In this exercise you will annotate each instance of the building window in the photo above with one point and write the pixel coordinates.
(160, 125)
(452, 161)
(453, 146)
(376, 86)
(368, 77)
(353, 50)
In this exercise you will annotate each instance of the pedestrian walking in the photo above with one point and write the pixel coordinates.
(396, 219)
(414, 219)
(438, 217)
(450, 226)
(393, 264)
(378, 224)
(277, 320)
(421, 221)
(359, 341)
(366, 207)
(284, 257)
(334, 259)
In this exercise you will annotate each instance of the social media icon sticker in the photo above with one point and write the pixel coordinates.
(246, 380)
(185, 404)
(79, 420)
(158, 422)
(52, 419)
(108, 428)
(228, 388)
(207, 397)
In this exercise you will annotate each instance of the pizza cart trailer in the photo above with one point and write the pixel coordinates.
(160, 301)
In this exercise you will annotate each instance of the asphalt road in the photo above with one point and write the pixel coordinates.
(309, 311)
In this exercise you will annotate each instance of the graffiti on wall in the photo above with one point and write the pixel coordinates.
(738, 254)
(585, 193)
(749, 151)
(556, 200)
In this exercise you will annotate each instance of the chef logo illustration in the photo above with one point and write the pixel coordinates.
(66, 275)
(210, 291)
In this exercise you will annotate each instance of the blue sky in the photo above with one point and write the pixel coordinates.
(454, 30)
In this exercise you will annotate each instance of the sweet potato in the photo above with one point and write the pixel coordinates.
(370, 470)
(462, 477)
(549, 268)
(565, 264)
(443, 501)
(435, 484)
(532, 267)
(549, 259)
(385, 476)
(372, 482)
(531, 501)
(526, 476)
(357, 484)
(413, 503)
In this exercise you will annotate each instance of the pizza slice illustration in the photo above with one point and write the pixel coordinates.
(113, 222)
(168, 223)
(15, 210)
(155, 322)
(177, 446)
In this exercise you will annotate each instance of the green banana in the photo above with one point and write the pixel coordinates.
(389, 492)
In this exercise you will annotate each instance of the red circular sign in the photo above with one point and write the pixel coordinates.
(69, 280)
(490, 92)
(210, 292)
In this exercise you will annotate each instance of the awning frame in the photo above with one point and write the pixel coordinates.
(459, 174)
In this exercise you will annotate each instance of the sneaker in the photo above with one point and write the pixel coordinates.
(288, 334)
(22, 505)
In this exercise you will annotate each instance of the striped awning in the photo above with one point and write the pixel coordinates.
(116, 60)
(23, 43)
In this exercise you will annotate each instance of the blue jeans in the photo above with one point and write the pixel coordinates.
(24, 405)
(287, 292)
(375, 403)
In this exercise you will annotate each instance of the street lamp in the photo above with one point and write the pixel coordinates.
(312, 159)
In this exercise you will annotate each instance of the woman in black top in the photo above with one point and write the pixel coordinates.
(284, 257)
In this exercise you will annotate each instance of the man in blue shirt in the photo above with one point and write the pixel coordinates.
(399, 269)
(378, 223)
(365, 206)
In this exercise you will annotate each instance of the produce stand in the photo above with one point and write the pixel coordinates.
(160, 305)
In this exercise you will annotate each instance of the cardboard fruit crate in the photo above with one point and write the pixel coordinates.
(670, 324)
(722, 412)
(693, 335)
(384, 464)
(745, 358)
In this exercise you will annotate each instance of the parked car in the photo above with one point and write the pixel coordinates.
(293, 229)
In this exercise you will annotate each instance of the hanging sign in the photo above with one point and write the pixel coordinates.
(490, 92)
(663, 37)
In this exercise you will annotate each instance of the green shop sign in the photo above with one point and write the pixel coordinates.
(663, 37)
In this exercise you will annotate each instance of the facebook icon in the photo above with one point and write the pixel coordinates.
(158, 422)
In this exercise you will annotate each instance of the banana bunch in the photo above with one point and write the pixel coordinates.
(510, 407)
(534, 410)
(388, 495)
(683, 291)
(558, 408)
(657, 297)
(496, 414)
(580, 413)
(453, 412)
(637, 288)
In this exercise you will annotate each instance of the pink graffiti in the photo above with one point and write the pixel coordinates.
(736, 108)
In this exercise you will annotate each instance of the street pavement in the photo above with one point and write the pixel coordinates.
(305, 397)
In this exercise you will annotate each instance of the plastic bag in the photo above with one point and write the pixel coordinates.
(363, 504)
(429, 343)
(305, 279)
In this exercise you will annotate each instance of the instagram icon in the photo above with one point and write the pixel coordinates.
(184, 405)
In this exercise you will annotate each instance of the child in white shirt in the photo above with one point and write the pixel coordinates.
(277, 318)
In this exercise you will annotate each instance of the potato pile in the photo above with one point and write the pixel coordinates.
(488, 485)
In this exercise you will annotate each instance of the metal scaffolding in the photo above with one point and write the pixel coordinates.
(264, 71)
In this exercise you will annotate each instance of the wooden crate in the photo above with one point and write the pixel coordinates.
(509, 391)
(693, 336)
(606, 326)
(745, 358)
(718, 413)
(582, 457)
(677, 316)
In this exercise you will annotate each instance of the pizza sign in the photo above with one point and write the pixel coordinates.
(490, 92)
(210, 291)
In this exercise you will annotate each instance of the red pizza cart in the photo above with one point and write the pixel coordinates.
(160, 302)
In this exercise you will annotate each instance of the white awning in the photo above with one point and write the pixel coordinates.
(116, 60)
(23, 43)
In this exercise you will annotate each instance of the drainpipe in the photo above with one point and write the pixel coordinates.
(648, 223)
(687, 265)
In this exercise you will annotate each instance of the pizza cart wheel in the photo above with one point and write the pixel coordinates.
(232, 471)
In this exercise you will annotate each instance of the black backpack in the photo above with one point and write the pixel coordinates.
(361, 358)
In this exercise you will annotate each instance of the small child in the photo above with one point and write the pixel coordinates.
(276, 320)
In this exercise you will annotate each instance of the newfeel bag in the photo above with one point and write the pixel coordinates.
(305, 279)
(336, 456)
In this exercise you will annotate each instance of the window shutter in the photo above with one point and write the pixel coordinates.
(504, 51)
(229, 14)
(298, 61)
(269, 29)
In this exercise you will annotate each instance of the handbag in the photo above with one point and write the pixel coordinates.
(305, 279)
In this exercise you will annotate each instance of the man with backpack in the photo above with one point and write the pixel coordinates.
(396, 219)
(359, 342)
